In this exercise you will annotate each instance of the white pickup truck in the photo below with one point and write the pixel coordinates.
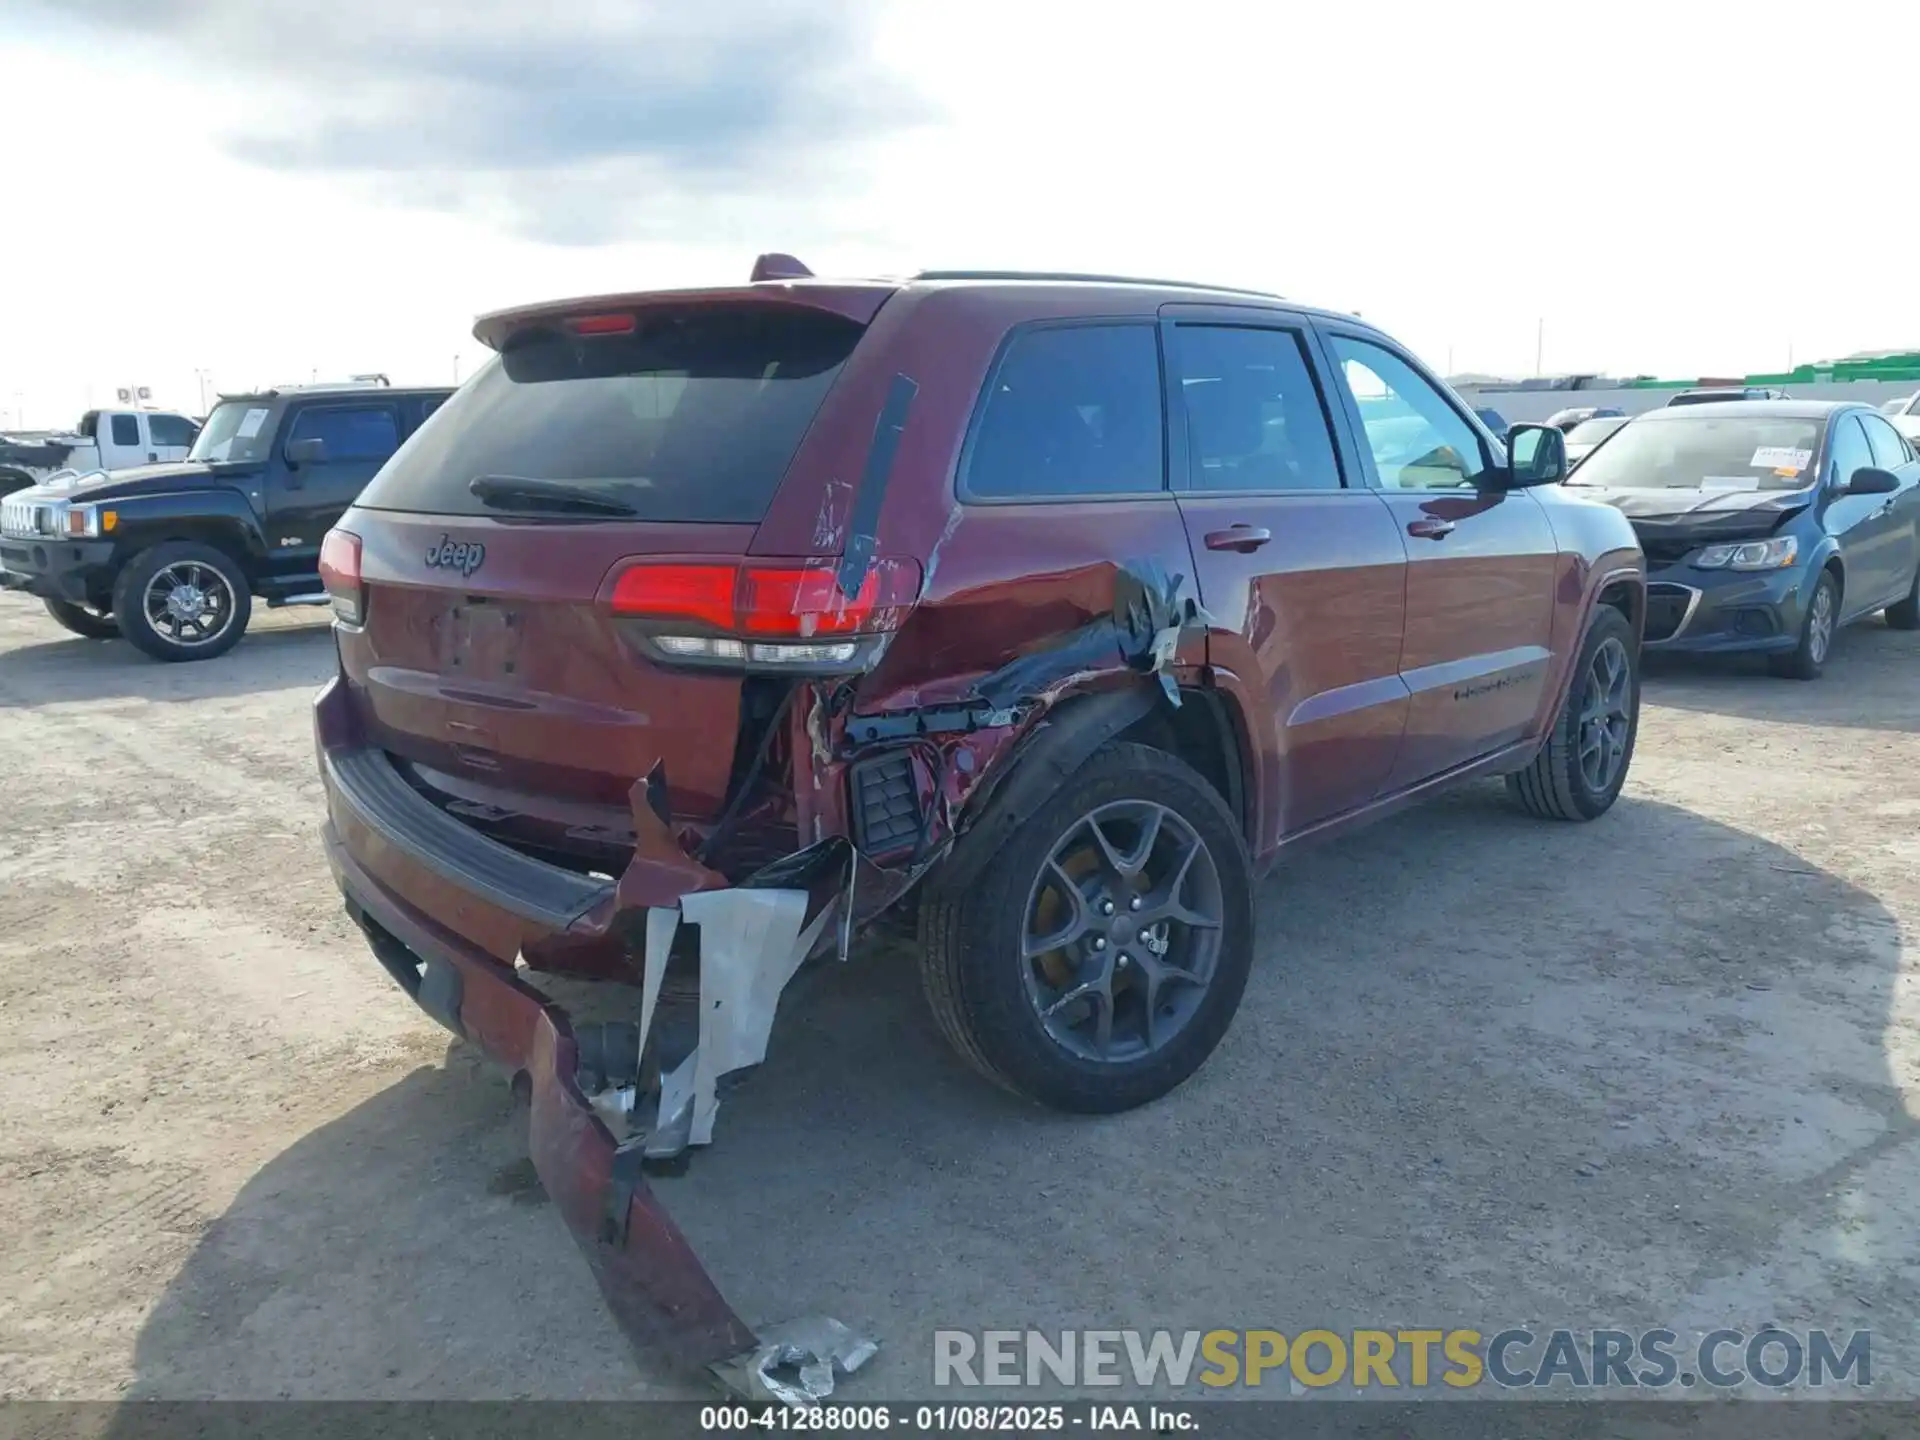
(103, 440)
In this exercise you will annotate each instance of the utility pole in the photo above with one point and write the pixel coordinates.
(456, 370)
(1540, 347)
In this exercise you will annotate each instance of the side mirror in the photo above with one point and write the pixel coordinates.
(1872, 480)
(306, 452)
(1536, 455)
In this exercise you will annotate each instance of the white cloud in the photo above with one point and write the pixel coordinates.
(1670, 188)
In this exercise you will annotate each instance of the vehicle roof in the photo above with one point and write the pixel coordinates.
(860, 299)
(1778, 409)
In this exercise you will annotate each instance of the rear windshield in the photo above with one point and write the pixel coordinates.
(1705, 452)
(691, 416)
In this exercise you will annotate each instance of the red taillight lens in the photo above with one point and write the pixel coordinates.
(702, 593)
(800, 602)
(340, 574)
(772, 600)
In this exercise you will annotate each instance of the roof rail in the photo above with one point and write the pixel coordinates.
(1071, 277)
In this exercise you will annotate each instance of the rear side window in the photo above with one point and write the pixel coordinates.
(1071, 410)
(126, 429)
(349, 433)
(1254, 417)
(690, 416)
(170, 430)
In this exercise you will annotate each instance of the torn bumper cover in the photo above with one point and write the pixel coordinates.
(397, 868)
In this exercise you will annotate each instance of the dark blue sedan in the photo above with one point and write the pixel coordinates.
(1767, 524)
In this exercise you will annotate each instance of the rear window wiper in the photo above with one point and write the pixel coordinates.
(519, 492)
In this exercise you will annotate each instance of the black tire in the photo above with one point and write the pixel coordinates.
(1809, 657)
(82, 621)
(1905, 614)
(976, 977)
(1558, 784)
(186, 558)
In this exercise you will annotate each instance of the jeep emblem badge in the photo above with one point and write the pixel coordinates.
(450, 554)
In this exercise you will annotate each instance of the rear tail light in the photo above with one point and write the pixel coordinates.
(787, 614)
(340, 574)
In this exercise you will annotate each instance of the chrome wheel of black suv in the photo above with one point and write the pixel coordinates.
(182, 601)
(1579, 771)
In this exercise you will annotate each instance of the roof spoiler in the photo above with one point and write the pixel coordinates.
(775, 266)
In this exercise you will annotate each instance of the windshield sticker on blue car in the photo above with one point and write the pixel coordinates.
(1780, 457)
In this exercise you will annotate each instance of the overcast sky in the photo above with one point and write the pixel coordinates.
(245, 192)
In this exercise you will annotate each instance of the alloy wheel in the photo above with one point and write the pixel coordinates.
(1605, 715)
(1820, 624)
(1122, 931)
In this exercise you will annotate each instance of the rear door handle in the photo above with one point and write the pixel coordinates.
(1244, 538)
(1430, 528)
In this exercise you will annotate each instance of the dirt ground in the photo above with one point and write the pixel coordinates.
(1658, 1070)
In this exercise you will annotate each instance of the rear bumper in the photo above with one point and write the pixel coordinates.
(656, 1287)
(77, 571)
(409, 890)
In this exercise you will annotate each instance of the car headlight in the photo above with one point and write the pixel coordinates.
(1775, 554)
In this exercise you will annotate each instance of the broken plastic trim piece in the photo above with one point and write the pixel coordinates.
(672, 1130)
(751, 942)
(796, 1362)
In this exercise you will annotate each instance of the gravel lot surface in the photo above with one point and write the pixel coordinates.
(1657, 1070)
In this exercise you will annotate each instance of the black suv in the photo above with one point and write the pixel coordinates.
(171, 556)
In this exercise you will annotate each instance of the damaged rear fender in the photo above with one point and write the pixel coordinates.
(1059, 742)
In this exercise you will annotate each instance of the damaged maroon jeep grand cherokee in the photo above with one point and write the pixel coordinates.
(1062, 602)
